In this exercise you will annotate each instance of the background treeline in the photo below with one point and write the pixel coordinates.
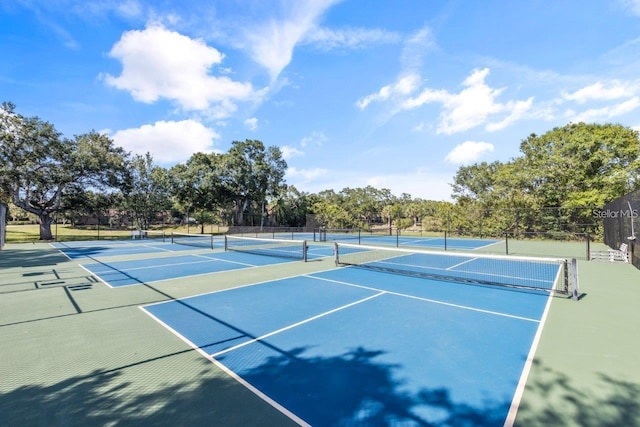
(556, 184)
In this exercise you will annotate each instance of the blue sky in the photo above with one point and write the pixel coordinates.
(396, 94)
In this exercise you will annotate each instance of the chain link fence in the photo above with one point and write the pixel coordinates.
(620, 218)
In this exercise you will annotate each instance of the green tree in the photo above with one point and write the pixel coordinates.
(202, 186)
(256, 174)
(37, 165)
(147, 191)
(554, 184)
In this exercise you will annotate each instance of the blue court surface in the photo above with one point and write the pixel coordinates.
(139, 271)
(352, 346)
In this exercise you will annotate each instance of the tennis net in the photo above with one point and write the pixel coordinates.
(282, 248)
(152, 235)
(548, 274)
(348, 234)
(197, 240)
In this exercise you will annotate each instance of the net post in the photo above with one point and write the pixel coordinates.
(336, 254)
(445, 240)
(575, 292)
(226, 243)
(398, 238)
(305, 249)
(359, 236)
(212, 241)
(172, 237)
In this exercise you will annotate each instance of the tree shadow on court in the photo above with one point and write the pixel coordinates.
(119, 397)
(351, 389)
(356, 389)
(553, 399)
(36, 257)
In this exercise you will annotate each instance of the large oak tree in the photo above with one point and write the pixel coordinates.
(37, 165)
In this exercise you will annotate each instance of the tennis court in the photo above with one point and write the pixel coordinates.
(148, 270)
(412, 339)
(141, 244)
(419, 241)
(345, 336)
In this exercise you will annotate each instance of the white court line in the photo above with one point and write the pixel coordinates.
(229, 372)
(302, 322)
(463, 307)
(460, 263)
(517, 397)
(226, 260)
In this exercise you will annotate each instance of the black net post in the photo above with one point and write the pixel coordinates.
(588, 237)
(506, 242)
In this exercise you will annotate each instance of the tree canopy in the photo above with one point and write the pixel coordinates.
(556, 182)
(553, 185)
(37, 165)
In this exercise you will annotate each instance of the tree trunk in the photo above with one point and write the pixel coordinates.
(45, 226)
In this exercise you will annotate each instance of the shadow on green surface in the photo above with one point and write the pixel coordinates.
(36, 257)
(615, 403)
(376, 398)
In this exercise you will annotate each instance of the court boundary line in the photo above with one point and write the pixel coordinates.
(433, 301)
(139, 282)
(526, 369)
(225, 369)
(123, 245)
(515, 402)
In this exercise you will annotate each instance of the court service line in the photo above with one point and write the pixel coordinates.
(460, 263)
(449, 304)
(302, 322)
(226, 260)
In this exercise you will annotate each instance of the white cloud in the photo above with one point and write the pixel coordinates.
(271, 44)
(405, 85)
(304, 176)
(605, 113)
(415, 49)
(632, 5)
(288, 152)
(351, 38)
(518, 110)
(316, 138)
(169, 142)
(471, 107)
(159, 63)
(614, 89)
(251, 123)
(468, 152)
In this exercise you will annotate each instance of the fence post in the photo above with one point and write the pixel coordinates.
(588, 246)
(506, 241)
